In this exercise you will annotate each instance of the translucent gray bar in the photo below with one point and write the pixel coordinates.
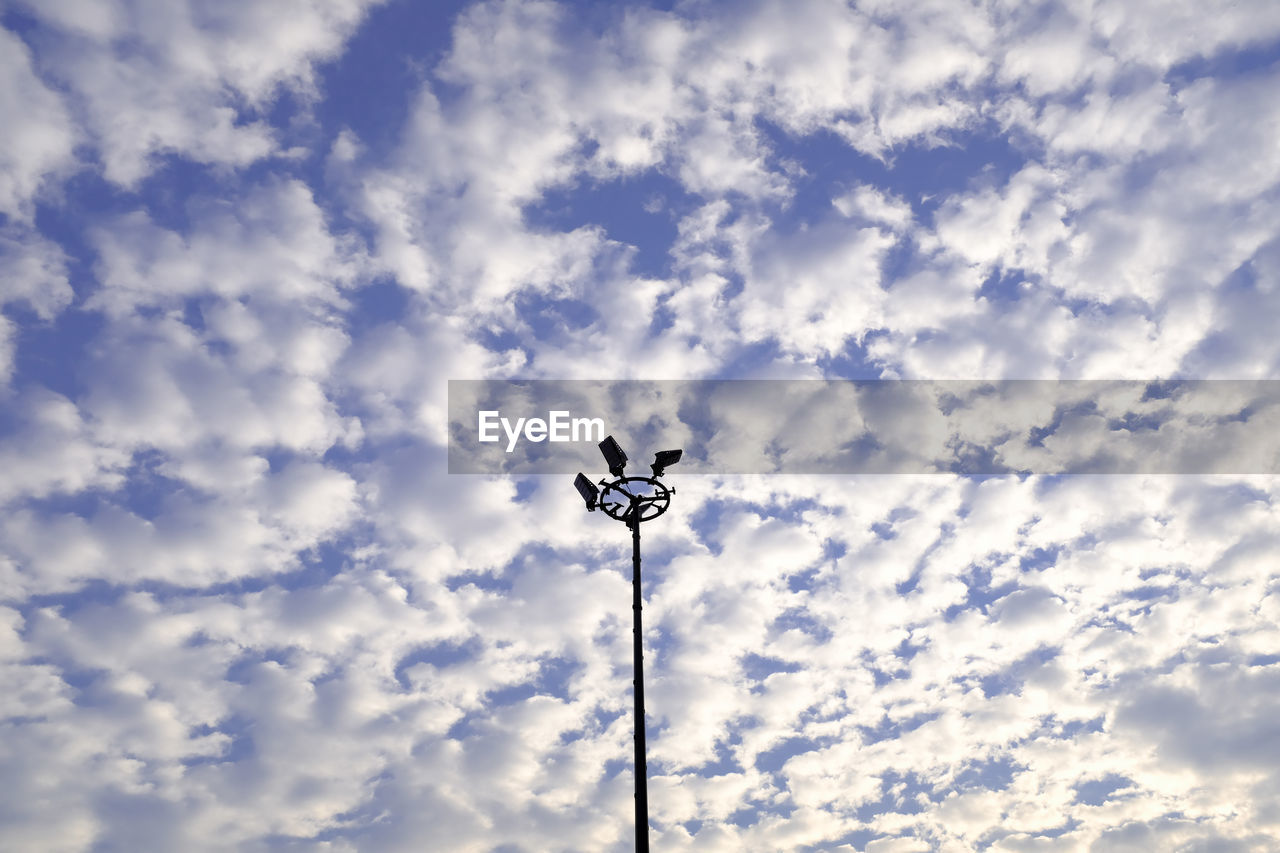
(1199, 426)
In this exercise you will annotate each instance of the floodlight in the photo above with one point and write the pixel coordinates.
(588, 490)
(664, 459)
(613, 456)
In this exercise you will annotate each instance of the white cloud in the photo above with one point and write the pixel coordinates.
(33, 273)
(273, 243)
(246, 608)
(869, 203)
(39, 134)
(55, 451)
(1161, 34)
(1064, 226)
(151, 79)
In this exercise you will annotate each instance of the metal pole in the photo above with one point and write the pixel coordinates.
(642, 773)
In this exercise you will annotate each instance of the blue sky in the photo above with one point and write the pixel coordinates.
(244, 246)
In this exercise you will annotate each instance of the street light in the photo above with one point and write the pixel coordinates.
(633, 500)
(664, 459)
(588, 490)
(613, 456)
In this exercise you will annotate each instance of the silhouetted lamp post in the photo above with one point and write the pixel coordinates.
(633, 500)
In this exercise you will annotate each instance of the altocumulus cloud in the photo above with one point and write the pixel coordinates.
(244, 246)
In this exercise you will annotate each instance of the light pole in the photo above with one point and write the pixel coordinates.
(633, 500)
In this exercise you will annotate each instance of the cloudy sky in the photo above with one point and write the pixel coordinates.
(245, 245)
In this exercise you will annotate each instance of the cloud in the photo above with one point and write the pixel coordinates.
(55, 451)
(151, 80)
(273, 243)
(246, 608)
(40, 135)
(34, 273)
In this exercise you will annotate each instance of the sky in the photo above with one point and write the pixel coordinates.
(244, 247)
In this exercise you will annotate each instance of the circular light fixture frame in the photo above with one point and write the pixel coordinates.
(633, 506)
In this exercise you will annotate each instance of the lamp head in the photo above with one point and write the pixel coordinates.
(664, 459)
(614, 457)
(586, 488)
